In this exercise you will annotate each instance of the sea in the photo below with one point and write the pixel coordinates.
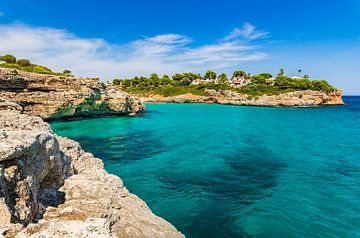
(236, 171)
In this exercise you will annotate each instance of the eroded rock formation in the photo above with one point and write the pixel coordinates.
(52, 97)
(50, 187)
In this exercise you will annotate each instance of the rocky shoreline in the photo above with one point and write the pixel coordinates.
(306, 98)
(49, 186)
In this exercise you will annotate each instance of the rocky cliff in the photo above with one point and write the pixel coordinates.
(304, 98)
(50, 187)
(53, 97)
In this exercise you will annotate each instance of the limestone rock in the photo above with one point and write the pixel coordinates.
(29, 162)
(7, 105)
(50, 180)
(53, 97)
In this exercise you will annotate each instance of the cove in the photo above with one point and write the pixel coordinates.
(233, 171)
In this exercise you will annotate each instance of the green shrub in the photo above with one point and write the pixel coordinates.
(257, 79)
(10, 59)
(260, 89)
(184, 82)
(23, 62)
(265, 75)
(217, 86)
(322, 85)
(67, 72)
(116, 81)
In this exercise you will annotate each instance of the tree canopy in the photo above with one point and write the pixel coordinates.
(210, 74)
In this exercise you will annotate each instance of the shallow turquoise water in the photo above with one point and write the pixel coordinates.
(227, 171)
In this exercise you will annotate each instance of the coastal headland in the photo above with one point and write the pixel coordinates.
(306, 98)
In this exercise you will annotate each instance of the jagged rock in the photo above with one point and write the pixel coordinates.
(52, 97)
(29, 162)
(51, 180)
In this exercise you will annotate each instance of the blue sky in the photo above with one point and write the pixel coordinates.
(125, 38)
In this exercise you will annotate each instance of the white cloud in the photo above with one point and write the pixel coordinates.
(163, 54)
(248, 32)
(169, 39)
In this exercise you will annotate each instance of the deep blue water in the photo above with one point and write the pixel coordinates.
(232, 171)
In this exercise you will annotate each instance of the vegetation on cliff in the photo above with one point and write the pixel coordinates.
(182, 83)
(10, 61)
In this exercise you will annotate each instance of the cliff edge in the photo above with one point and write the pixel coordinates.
(50, 187)
(54, 97)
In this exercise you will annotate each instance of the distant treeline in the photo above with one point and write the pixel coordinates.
(262, 83)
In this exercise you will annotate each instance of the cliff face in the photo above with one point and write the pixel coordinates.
(291, 99)
(50, 187)
(52, 97)
(51, 181)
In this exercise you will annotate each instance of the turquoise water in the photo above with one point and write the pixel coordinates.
(227, 171)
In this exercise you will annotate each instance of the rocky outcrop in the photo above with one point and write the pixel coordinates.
(50, 187)
(304, 98)
(53, 97)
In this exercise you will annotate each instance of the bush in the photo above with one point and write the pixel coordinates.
(178, 77)
(184, 82)
(257, 90)
(67, 72)
(10, 59)
(217, 86)
(257, 79)
(116, 81)
(23, 62)
(322, 85)
(295, 83)
(265, 75)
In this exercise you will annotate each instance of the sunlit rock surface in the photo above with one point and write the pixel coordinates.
(53, 97)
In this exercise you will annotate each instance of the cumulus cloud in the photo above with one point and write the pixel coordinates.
(163, 54)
